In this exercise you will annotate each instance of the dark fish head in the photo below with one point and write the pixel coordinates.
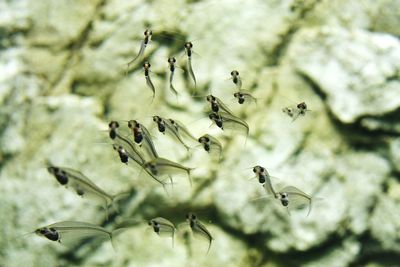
(191, 216)
(49, 233)
(60, 175)
(148, 33)
(210, 98)
(171, 60)
(146, 65)
(258, 169)
(188, 45)
(156, 119)
(302, 106)
(113, 125)
(204, 139)
(133, 123)
(284, 199)
(80, 191)
(216, 118)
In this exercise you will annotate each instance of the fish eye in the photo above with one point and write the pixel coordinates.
(150, 222)
(42, 231)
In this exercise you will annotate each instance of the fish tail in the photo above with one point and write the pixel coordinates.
(151, 86)
(171, 86)
(139, 54)
(191, 71)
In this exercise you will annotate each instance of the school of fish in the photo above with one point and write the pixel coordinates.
(133, 143)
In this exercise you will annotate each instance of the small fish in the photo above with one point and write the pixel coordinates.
(82, 185)
(141, 133)
(113, 125)
(217, 105)
(163, 227)
(146, 40)
(227, 121)
(189, 51)
(67, 232)
(123, 155)
(292, 197)
(181, 129)
(264, 178)
(173, 128)
(126, 148)
(160, 123)
(160, 167)
(146, 68)
(211, 144)
(243, 95)
(199, 229)
(295, 111)
(236, 79)
(171, 62)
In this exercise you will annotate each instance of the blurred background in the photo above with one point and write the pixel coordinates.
(63, 78)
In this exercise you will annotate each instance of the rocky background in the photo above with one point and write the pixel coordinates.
(62, 78)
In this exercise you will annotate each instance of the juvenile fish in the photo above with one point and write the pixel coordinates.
(165, 126)
(264, 178)
(67, 232)
(217, 105)
(146, 40)
(295, 111)
(181, 129)
(160, 124)
(146, 68)
(293, 198)
(123, 155)
(82, 185)
(171, 62)
(227, 121)
(142, 137)
(199, 229)
(189, 51)
(243, 95)
(236, 79)
(160, 167)
(211, 145)
(163, 227)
